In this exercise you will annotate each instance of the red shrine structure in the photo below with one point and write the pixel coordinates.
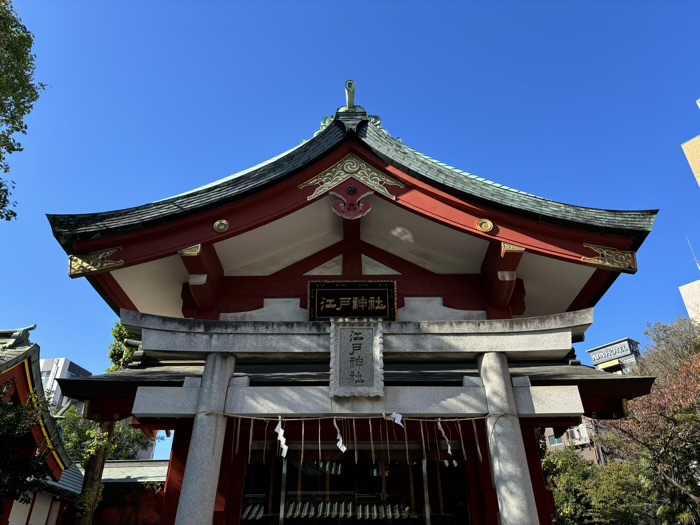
(20, 384)
(353, 330)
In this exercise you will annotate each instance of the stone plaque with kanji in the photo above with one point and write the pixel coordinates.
(356, 358)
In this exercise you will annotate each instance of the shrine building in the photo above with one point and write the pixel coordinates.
(354, 330)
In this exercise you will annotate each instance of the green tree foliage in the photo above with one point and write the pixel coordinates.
(82, 438)
(568, 476)
(23, 468)
(619, 494)
(587, 494)
(654, 475)
(18, 93)
(662, 431)
(119, 353)
(92, 443)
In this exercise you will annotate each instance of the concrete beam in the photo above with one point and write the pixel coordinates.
(519, 339)
(467, 401)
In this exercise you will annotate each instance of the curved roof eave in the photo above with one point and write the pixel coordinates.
(23, 350)
(636, 223)
(69, 228)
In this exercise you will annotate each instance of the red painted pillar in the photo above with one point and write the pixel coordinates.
(490, 498)
(176, 471)
(233, 470)
(6, 509)
(534, 464)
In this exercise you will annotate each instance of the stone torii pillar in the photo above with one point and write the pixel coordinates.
(199, 485)
(516, 498)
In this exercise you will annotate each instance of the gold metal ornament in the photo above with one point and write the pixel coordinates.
(608, 257)
(93, 263)
(484, 225)
(351, 167)
(221, 226)
(192, 251)
(511, 248)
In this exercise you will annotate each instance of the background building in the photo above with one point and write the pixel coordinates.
(616, 357)
(59, 368)
(692, 153)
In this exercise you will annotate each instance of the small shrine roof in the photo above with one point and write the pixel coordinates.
(590, 381)
(15, 348)
(351, 124)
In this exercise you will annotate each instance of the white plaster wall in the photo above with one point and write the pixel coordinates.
(276, 245)
(19, 513)
(550, 285)
(272, 310)
(432, 309)
(53, 513)
(155, 287)
(40, 512)
(422, 241)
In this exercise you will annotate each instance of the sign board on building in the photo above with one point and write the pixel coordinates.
(356, 358)
(352, 299)
(613, 351)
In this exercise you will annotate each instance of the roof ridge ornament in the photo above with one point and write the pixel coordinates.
(351, 115)
(350, 93)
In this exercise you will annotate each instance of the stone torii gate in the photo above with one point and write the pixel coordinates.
(495, 395)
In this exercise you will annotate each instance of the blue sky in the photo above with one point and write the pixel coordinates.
(580, 102)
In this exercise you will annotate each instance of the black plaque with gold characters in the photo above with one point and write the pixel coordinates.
(352, 299)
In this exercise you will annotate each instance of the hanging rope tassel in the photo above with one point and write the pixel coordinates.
(265, 441)
(405, 439)
(250, 439)
(238, 434)
(422, 438)
(371, 438)
(354, 440)
(342, 447)
(461, 440)
(442, 431)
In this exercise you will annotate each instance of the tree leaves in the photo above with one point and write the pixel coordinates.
(18, 93)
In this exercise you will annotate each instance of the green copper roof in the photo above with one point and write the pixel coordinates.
(344, 126)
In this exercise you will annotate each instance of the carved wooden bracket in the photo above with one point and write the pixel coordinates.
(350, 203)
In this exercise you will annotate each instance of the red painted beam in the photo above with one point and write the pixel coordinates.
(499, 271)
(205, 279)
(459, 291)
(352, 256)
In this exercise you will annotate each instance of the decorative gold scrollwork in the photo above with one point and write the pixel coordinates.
(93, 263)
(351, 167)
(511, 248)
(608, 257)
(192, 251)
